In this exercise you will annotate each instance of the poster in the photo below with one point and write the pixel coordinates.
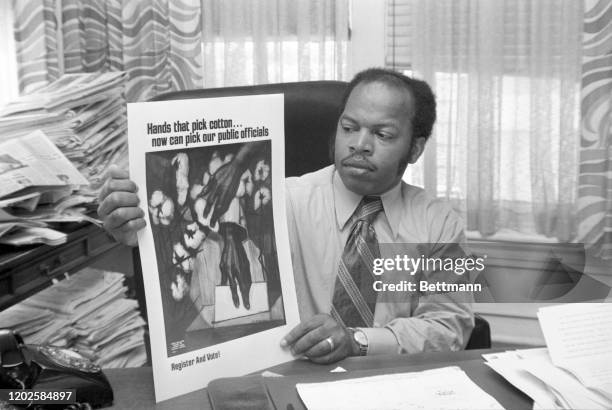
(215, 258)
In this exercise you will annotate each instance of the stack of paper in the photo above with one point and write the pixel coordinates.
(444, 388)
(83, 114)
(88, 312)
(575, 371)
(36, 186)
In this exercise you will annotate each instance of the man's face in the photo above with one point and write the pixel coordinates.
(374, 134)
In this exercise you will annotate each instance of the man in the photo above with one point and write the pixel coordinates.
(337, 216)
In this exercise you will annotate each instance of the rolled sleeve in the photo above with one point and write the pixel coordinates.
(381, 340)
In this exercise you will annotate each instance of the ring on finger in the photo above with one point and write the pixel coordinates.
(330, 342)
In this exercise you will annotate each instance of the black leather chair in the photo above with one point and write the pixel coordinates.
(312, 109)
(311, 114)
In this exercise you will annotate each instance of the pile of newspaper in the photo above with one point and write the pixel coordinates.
(574, 371)
(88, 312)
(83, 114)
(37, 188)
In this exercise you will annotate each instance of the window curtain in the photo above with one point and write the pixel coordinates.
(507, 79)
(595, 180)
(8, 61)
(270, 41)
(168, 45)
(158, 43)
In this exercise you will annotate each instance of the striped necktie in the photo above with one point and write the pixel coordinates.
(354, 298)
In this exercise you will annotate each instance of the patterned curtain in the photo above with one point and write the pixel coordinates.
(8, 62)
(35, 43)
(158, 43)
(168, 45)
(595, 179)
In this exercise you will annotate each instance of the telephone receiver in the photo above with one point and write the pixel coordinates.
(51, 368)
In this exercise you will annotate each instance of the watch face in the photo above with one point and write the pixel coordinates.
(360, 338)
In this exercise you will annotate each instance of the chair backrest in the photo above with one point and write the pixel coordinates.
(312, 109)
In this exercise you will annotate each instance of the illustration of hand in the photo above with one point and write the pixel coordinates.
(234, 264)
(225, 181)
(221, 189)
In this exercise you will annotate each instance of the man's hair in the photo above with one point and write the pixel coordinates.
(424, 115)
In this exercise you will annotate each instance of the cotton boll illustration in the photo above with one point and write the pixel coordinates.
(179, 287)
(181, 258)
(195, 190)
(166, 213)
(199, 206)
(161, 208)
(215, 163)
(262, 171)
(246, 184)
(261, 197)
(157, 197)
(193, 236)
(181, 165)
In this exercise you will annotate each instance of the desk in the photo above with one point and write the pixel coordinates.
(134, 387)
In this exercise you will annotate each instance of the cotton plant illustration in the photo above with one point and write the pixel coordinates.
(161, 208)
(188, 216)
(181, 165)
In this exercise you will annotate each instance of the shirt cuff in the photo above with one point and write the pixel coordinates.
(380, 340)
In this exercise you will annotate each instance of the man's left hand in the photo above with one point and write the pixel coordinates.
(312, 338)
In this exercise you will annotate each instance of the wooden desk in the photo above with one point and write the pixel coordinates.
(134, 387)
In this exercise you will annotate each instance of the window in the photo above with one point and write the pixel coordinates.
(507, 81)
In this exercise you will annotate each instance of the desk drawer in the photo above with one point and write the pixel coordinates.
(36, 271)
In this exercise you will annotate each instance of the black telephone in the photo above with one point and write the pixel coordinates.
(51, 368)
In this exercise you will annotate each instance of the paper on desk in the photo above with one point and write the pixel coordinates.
(510, 365)
(80, 294)
(445, 388)
(34, 235)
(579, 339)
(551, 387)
(567, 389)
(21, 318)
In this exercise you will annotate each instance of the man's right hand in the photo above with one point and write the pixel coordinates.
(119, 207)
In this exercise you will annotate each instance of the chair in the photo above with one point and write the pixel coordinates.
(312, 109)
(311, 113)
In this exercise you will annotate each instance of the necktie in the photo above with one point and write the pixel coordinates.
(354, 298)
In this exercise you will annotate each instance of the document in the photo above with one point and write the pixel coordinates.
(574, 371)
(35, 162)
(579, 339)
(550, 387)
(218, 277)
(444, 388)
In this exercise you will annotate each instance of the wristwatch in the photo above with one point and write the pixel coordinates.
(361, 339)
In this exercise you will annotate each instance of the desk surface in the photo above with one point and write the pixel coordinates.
(134, 387)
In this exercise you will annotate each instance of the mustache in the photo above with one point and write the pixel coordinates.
(359, 161)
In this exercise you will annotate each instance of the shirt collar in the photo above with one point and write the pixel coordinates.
(346, 201)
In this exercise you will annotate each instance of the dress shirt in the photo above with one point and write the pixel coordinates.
(319, 210)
